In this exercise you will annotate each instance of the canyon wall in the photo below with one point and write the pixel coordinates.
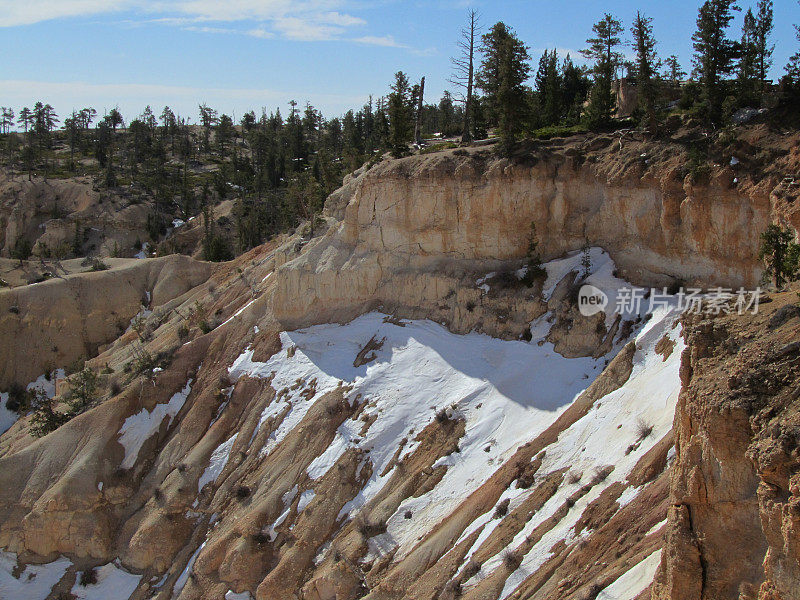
(55, 323)
(404, 233)
(734, 519)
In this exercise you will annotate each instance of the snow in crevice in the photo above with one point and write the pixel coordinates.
(216, 464)
(140, 427)
(45, 383)
(184, 576)
(602, 438)
(634, 581)
(112, 582)
(34, 583)
(507, 392)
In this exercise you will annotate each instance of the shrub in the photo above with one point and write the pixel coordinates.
(242, 492)
(512, 559)
(261, 538)
(551, 131)
(643, 428)
(574, 477)
(367, 528)
(19, 399)
(45, 418)
(99, 265)
(501, 510)
(88, 577)
(601, 474)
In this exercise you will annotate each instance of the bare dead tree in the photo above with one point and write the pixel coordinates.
(418, 125)
(464, 68)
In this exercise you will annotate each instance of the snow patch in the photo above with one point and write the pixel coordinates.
(138, 428)
(35, 582)
(305, 499)
(112, 582)
(7, 417)
(634, 581)
(184, 576)
(217, 462)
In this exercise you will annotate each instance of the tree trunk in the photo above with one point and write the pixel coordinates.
(466, 136)
(418, 126)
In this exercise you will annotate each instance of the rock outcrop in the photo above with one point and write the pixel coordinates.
(57, 322)
(406, 234)
(234, 451)
(735, 496)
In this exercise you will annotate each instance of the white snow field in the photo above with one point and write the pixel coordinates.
(34, 583)
(112, 582)
(507, 392)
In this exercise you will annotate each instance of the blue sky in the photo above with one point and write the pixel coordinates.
(237, 55)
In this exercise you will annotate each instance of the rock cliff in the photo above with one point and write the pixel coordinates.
(390, 409)
(405, 234)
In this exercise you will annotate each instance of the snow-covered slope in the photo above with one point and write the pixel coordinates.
(386, 456)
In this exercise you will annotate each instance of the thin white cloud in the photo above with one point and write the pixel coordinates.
(260, 32)
(204, 29)
(14, 13)
(387, 41)
(307, 30)
(297, 20)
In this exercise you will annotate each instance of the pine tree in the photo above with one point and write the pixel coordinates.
(549, 89)
(504, 70)
(25, 118)
(602, 49)
(792, 79)
(73, 130)
(400, 115)
(82, 391)
(574, 89)
(647, 65)
(418, 113)
(780, 254)
(115, 119)
(7, 119)
(714, 53)
(464, 71)
(747, 77)
(764, 51)
(673, 72)
(45, 418)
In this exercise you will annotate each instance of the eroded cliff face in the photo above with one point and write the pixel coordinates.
(405, 233)
(735, 501)
(55, 323)
(387, 457)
